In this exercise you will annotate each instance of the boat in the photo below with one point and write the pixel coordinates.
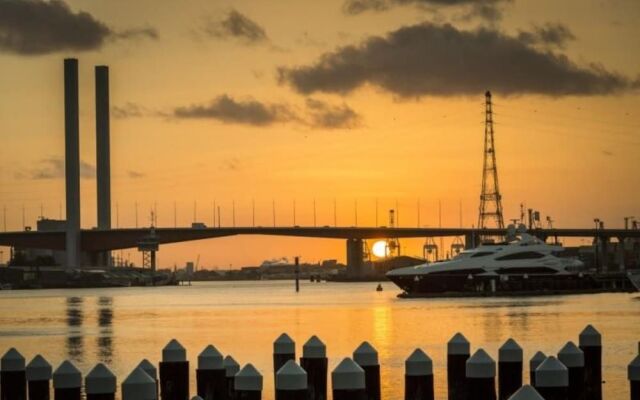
(521, 265)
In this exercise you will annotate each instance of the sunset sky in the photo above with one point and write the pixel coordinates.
(354, 100)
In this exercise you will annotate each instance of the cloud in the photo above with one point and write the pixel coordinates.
(316, 114)
(129, 110)
(33, 27)
(135, 174)
(440, 60)
(229, 110)
(486, 9)
(550, 34)
(138, 33)
(231, 164)
(54, 168)
(237, 26)
(327, 116)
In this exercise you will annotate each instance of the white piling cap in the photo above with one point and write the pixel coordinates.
(12, 360)
(526, 392)
(139, 386)
(590, 337)
(510, 352)
(210, 358)
(174, 352)
(38, 369)
(100, 380)
(458, 345)
(347, 376)
(418, 364)
(571, 356)
(291, 376)
(284, 345)
(149, 368)
(480, 365)
(365, 355)
(67, 376)
(248, 378)
(536, 360)
(552, 373)
(314, 348)
(231, 367)
(634, 369)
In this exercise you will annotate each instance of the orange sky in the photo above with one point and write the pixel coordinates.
(574, 156)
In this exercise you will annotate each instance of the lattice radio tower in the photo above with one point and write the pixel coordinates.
(490, 198)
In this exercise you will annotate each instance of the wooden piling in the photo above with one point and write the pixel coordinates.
(526, 392)
(418, 377)
(152, 371)
(291, 382)
(100, 383)
(13, 376)
(633, 373)
(139, 386)
(348, 381)
(458, 351)
(231, 368)
(552, 379)
(67, 381)
(366, 356)
(174, 372)
(314, 361)
(591, 345)
(573, 358)
(480, 372)
(39, 373)
(248, 383)
(284, 349)
(509, 369)
(534, 363)
(210, 375)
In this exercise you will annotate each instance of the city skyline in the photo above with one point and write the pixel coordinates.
(285, 117)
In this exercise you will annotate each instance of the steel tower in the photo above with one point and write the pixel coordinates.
(490, 199)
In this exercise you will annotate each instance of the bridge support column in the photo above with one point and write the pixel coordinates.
(604, 254)
(355, 255)
(620, 254)
(471, 241)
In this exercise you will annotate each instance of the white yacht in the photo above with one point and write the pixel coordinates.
(523, 264)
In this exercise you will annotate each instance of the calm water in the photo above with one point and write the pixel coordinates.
(122, 326)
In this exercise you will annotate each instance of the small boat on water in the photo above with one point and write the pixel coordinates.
(522, 265)
(379, 288)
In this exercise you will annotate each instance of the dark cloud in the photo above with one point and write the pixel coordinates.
(440, 60)
(486, 9)
(324, 115)
(550, 34)
(32, 27)
(238, 26)
(53, 168)
(226, 109)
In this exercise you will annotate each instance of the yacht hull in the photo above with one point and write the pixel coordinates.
(455, 285)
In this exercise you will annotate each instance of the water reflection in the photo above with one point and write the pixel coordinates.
(105, 323)
(75, 319)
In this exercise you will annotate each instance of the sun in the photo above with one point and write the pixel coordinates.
(380, 249)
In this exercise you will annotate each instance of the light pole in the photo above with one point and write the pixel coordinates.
(597, 222)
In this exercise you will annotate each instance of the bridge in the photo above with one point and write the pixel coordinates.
(96, 241)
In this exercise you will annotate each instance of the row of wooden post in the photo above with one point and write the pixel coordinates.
(575, 374)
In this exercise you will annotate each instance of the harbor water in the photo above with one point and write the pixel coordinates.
(121, 326)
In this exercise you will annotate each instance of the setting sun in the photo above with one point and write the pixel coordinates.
(380, 249)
